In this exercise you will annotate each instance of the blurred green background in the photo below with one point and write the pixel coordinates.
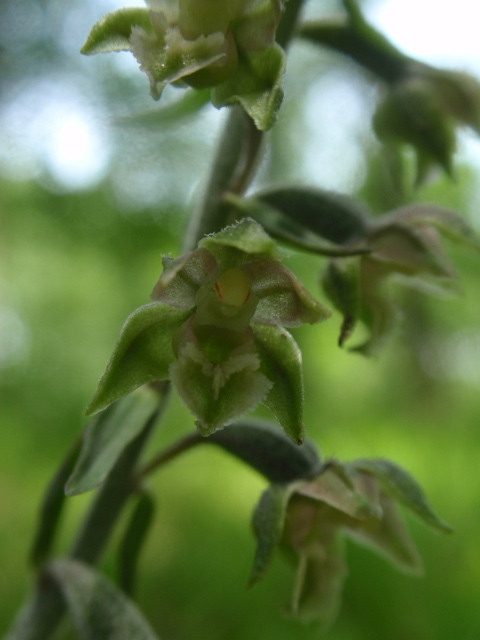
(91, 196)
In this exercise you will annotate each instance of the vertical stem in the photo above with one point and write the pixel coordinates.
(237, 155)
(232, 170)
(43, 611)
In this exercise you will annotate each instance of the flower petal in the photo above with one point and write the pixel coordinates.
(281, 362)
(170, 57)
(181, 278)
(283, 300)
(142, 354)
(218, 392)
(246, 236)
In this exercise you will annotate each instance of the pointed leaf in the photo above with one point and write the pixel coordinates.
(98, 609)
(402, 486)
(51, 509)
(106, 437)
(281, 361)
(112, 32)
(256, 85)
(142, 354)
(341, 283)
(133, 540)
(331, 216)
(289, 229)
(268, 522)
(266, 448)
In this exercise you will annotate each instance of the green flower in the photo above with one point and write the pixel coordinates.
(226, 45)
(310, 519)
(405, 248)
(216, 329)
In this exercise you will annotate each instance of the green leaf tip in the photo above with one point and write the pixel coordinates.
(112, 32)
(107, 435)
(404, 487)
(142, 354)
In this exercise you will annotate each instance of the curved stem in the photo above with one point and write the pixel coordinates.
(189, 441)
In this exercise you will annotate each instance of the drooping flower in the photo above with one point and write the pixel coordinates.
(217, 329)
(310, 519)
(226, 45)
(405, 248)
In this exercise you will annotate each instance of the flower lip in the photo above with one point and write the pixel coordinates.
(233, 287)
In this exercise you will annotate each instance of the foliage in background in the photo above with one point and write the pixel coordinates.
(425, 257)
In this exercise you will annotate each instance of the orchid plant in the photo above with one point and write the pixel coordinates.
(218, 323)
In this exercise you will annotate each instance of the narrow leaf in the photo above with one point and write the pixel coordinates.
(282, 364)
(51, 509)
(267, 449)
(331, 216)
(107, 436)
(268, 522)
(98, 609)
(133, 540)
(112, 32)
(341, 283)
(142, 354)
(402, 486)
(289, 229)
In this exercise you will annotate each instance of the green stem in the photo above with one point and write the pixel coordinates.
(43, 611)
(190, 441)
(232, 171)
(237, 156)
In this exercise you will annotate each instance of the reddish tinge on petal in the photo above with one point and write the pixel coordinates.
(181, 278)
(283, 300)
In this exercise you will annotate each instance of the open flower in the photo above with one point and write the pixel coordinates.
(309, 519)
(216, 328)
(228, 45)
